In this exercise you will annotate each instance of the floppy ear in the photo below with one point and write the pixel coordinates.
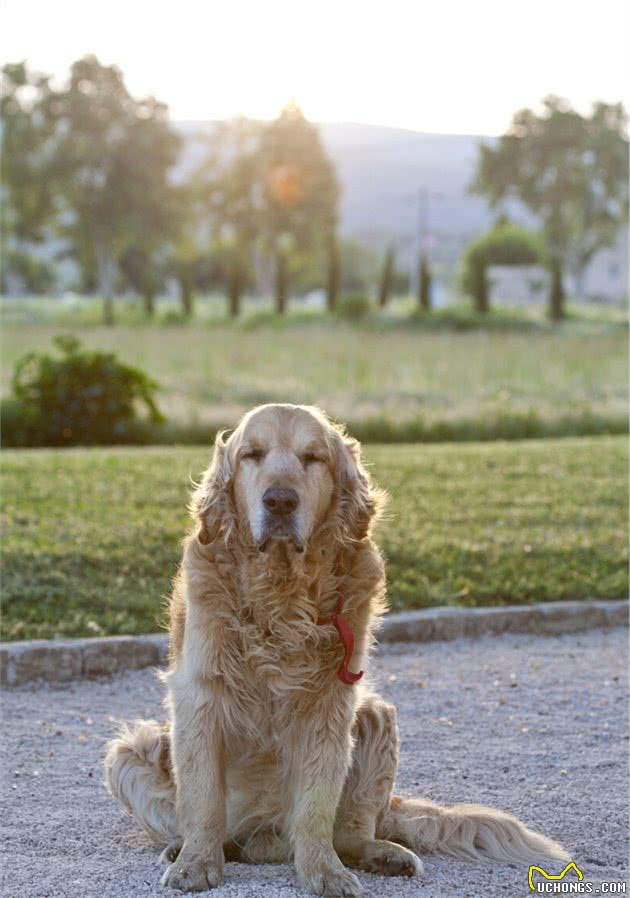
(209, 504)
(359, 500)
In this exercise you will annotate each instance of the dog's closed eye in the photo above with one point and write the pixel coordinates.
(310, 458)
(253, 455)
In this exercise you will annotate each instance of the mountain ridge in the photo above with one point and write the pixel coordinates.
(381, 169)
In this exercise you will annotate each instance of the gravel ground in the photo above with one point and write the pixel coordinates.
(534, 725)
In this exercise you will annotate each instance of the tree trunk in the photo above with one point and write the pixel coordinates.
(387, 277)
(281, 283)
(105, 274)
(334, 275)
(424, 284)
(556, 295)
(149, 303)
(482, 299)
(235, 291)
(185, 296)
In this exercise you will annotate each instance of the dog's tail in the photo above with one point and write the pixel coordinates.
(138, 773)
(466, 831)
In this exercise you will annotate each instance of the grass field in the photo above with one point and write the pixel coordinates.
(392, 378)
(92, 537)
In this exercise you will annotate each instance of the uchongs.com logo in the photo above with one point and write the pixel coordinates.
(570, 881)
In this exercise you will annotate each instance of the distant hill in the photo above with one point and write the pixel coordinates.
(381, 170)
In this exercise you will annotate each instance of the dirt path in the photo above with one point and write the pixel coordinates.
(534, 725)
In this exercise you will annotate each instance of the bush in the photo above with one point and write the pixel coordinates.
(354, 308)
(173, 317)
(79, 398)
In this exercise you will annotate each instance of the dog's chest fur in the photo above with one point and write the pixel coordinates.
(251, 628)
(282, 645)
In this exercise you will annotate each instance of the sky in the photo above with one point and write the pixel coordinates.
(446, 66)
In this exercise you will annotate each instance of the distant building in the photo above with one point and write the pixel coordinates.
(606, 278)
(521, 285)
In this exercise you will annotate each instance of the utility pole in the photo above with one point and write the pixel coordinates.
(422, 197)
(421, 256)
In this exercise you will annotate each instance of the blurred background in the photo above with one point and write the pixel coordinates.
(412, 214)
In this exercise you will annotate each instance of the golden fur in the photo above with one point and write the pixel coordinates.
(268, 755)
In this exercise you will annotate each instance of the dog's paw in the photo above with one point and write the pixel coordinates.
(171, 852)
(192, 874)
(390, 859)
(334, 882)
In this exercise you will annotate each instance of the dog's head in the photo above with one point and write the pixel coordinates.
(285, 474)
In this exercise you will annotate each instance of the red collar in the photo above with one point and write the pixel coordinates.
(347, 637)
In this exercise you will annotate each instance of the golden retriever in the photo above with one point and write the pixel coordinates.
(277, 750)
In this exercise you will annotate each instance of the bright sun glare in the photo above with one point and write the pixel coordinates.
(454, 66)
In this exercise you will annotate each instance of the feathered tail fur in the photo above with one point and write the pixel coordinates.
(469, 832)
(138, 774)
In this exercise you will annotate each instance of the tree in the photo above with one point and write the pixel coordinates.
(557, 294)
(333, 273)
(92, 162)
(27, 200)
(155, 207)
(604, 206)
(188, 266)
(114, 157)
(142, 273)
(571, 172)
(228, 194)
(424, 283)
(387, 277)
(300, 193)
(36, 275)
(185, 259)
(182, 265)
(503, 244)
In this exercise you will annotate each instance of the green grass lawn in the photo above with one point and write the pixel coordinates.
(92, 537)
(392, 378)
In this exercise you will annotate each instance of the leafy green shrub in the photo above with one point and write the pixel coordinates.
(173, 317)
(353, 308)
(79, 398)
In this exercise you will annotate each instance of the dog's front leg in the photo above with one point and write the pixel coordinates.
(199, 767)
(317, 756)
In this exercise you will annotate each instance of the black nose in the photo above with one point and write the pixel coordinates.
(280, 500)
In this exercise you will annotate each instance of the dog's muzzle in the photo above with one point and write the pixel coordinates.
(280, 504)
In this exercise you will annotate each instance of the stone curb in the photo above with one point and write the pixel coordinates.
(72, 659)
(58, 660)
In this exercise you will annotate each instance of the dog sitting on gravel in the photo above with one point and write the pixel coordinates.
(276, 749)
